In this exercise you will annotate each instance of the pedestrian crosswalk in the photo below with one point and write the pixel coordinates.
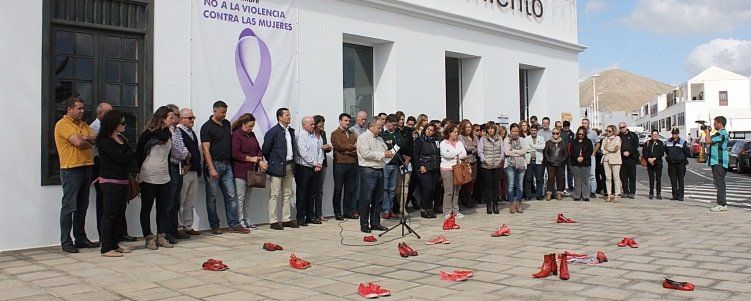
(737, 193)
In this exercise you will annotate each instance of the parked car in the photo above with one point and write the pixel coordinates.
(739, 156)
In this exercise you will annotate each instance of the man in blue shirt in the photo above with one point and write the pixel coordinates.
(718, 160)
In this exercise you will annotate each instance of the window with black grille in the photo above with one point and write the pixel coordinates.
(99, 50)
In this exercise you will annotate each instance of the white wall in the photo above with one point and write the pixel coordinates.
(412, 80)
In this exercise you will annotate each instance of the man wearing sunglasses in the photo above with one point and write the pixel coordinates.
(190, 177)
(630, 157)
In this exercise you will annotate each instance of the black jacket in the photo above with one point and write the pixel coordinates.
(630, 143)
(195, 152)
(677, 152)
(654, 149)
(555, 154)
(114, 159)
(426, 153)
(275, 150)
(583, 149)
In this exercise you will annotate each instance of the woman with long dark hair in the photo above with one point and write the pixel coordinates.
(490, 150)
(427, 158)
(555, 156)
(580, 158)
(514, 148)
(115, 157)
(468, 138)
(246, 155)
(152, 152)
(654, 150)
(452, 152)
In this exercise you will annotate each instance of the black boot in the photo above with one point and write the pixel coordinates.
(489, 207)
(496, 210)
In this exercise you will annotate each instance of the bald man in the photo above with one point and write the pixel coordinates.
(630, 157)
(308, 163)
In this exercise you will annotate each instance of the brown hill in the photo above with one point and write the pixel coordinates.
(621, 90)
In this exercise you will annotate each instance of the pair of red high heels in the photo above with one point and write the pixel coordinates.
(549, 267)
(372, 290)
(214, 265)
(272, 247)
(405, 250)
(628, 241)
(564, 220)
(450, 223)
(369, 238)
(502, 231)
(456, 275)
(298, 263)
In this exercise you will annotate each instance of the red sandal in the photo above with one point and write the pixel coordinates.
(214, 265)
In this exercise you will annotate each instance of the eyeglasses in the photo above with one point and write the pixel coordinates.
(610, 131)
(190, 118)
(554, 133)
(621, 127)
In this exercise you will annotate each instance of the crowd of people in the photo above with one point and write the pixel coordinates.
(380, 165)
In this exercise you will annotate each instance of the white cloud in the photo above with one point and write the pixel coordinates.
(586, 72)
(730, 54)
(595, 6)
(684, 17)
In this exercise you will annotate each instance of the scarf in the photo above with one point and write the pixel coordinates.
(517, 162)
(556, 140)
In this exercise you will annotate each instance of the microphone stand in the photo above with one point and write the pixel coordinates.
(402, 206)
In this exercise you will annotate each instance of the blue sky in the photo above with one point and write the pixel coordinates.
(666, 40)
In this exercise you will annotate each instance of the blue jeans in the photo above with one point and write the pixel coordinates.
(227, 185)
(76, 182)
(371, 196)
(390, 173)
(569, 177)
(535, 174)
(176, 185)
(344, 180)
(515, 177)
(356, 201)
(592, 179)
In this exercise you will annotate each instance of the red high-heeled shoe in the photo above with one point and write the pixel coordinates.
(409, 250)
(564, 220)
(298, 263)
(563, 274)
(402, 251)
(548, 268)
(502, 231)
(601, 257)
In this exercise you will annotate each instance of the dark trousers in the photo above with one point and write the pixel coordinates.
(344, 179)
(655, 177)
(489, 179)
(413, 183)
(371, 196)
(428, 182)
(99, 199)
(176, 185)
(555, 178)
(677, 173)
(113, 210)
(600, 175)
(503, 188)
(569, 178)
(75, 202)
(534, 179)
(316, 203)
(628, 176)
(304, 192)
(718, 175)
(122, 227)
(150, 192)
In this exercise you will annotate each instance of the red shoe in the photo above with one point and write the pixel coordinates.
(214, 265)
(601, 257)
(563, 274)
(298, 263)
(632, 243)
(272, 247)
(452, 276)
(502, 231)
(564, 220)
(624, 242)
(370, 238)
(356, 214)
(438, 240)
(381, 292)
(402, 251)
(681, 286)
(366, 291)
(386, 215)
(468, 274)
(408, 249)
(450, 223)
(548, 267)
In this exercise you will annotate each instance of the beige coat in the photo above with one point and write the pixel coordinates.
(611, 150)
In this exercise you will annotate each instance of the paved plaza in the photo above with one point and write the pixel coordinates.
(682, 241)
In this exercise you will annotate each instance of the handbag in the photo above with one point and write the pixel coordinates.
(133, 188)
(462, 173)
(255, 178)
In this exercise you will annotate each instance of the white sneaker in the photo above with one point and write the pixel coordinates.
(719, 208)
(566, 193)
(459, 215)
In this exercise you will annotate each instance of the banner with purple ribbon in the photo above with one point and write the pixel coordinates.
(244, 53)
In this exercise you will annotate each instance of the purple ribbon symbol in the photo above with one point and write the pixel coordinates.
(254, 89)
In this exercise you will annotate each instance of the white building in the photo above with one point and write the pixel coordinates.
(457, 58)
(713, 92)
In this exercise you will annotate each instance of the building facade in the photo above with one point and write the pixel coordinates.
(713, 92)
(481, 60)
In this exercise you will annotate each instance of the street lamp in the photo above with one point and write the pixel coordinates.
(597, 114)
(594, 100)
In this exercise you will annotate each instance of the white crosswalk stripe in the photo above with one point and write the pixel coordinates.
(736, 193)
